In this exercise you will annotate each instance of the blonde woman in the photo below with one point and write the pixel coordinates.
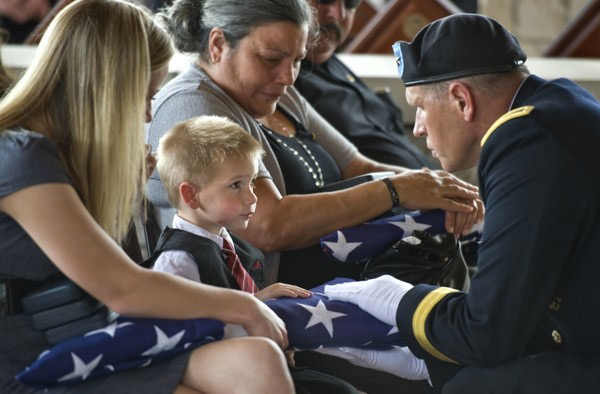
(71, 165)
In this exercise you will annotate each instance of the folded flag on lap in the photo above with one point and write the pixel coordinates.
(317, 322)
(127, 343)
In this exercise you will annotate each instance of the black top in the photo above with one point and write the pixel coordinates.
(307, 267)
(372, 122)
(306, 165)
(26, 159)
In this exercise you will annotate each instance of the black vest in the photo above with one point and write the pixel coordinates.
(209, 258)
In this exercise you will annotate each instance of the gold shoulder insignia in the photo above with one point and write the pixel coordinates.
(420, 317)
(515, 113)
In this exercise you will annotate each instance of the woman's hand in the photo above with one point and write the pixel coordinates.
(262, 321)
(435, 189)
(427, 189)
(279, 289)
(289, 357)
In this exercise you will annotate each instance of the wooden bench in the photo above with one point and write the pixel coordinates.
(397, 20)
(581, 37)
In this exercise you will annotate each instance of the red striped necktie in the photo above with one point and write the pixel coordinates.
(242, 277)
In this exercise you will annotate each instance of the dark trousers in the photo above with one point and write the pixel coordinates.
(309, 381)
(544, 373)
(367, 380)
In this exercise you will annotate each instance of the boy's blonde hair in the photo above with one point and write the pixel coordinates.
(192, 149)
(88, 84)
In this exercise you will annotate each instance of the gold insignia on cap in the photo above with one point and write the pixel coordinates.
(556, 337)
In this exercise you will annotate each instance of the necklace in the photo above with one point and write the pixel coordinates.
(317, 174)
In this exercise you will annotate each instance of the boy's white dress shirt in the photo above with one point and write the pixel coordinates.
(182, 263)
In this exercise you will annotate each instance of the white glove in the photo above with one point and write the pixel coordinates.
(398, 361)
(380, 296)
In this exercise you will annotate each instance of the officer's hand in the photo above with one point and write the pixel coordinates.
(398, 361)
(460, 224)
(379, 297)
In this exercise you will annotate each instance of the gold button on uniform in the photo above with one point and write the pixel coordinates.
(556, 337)
(555, 304)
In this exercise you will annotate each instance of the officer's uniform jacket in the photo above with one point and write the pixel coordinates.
(536, 288)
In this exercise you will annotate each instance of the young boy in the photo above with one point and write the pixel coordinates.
(208, 166)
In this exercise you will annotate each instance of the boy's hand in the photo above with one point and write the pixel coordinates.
(279, 289)
(289, 356)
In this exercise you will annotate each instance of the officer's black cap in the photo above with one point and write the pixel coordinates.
(457, 46)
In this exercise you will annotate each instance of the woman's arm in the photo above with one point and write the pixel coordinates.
(456, 222)
(295, 221)
(417, 189)
(361, 164)
(54, 217)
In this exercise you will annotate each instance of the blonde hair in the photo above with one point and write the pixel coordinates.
(87, 85)
(192, 149)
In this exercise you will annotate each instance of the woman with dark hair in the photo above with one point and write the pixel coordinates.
(247, 56)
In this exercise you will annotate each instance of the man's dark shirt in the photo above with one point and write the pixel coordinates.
(370, 121)
(19, 32)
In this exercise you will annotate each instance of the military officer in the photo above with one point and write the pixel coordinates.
(529, 323)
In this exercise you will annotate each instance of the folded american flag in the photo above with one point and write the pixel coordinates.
(317, 322)
(359, 243)
(134, 342)
(124, 344)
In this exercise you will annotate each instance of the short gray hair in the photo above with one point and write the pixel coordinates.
(190, 21)
(490, 84)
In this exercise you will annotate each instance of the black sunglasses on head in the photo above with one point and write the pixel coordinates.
(349, 4)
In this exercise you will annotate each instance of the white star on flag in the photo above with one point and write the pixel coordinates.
(110, 329)
(341, 249)
(81, 369)
(126, 343)
(477, 227)
(163, 342)
(320, 315)
(409, 225)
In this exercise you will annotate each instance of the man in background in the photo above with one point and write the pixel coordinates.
(372, 121)
(20, 17)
